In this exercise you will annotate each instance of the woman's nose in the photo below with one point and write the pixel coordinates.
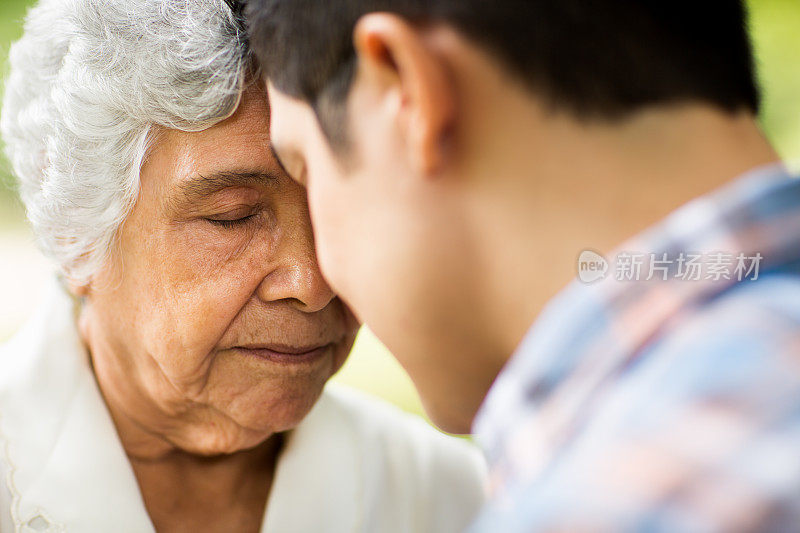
(303, 286)
(296, 276)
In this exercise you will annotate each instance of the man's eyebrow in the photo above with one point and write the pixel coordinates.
(203, 185)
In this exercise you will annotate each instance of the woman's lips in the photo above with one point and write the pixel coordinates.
(287, 355)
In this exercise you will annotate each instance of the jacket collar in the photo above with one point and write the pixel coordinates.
(319, 482)
(67, 468)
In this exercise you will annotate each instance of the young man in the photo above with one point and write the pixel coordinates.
(463, 157)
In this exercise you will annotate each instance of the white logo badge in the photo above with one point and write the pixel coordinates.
(591, 266)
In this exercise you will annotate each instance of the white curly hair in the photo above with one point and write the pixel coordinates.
(90, 83)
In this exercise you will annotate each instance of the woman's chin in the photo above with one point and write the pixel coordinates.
(247, 429)
(211, 441)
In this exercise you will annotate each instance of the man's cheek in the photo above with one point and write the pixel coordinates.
(327, 221)
(327, 259)
(330, 216)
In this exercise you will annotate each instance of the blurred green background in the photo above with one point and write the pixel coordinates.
(775, 26)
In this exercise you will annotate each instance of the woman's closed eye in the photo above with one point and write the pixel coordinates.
(234, 218)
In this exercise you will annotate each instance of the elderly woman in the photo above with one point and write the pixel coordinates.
(173, 380)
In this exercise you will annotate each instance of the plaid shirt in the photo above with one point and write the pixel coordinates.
(664, 404)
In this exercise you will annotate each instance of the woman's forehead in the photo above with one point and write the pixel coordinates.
(237, 146)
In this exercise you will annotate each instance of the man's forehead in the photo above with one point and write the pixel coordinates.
(288, 114)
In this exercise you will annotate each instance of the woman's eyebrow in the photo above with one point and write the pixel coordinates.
(202, 185)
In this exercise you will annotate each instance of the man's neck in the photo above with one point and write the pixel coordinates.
(584, 186)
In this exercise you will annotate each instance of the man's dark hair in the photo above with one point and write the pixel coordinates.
(597, 59)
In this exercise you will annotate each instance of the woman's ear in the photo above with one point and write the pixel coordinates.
(395, 55)
(79, 290)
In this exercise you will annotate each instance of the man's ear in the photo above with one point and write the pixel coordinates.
(394, 53)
